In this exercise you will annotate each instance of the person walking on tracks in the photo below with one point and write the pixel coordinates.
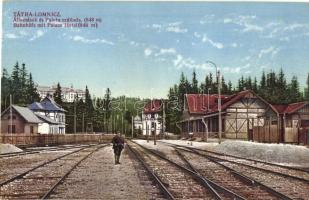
(118, 145)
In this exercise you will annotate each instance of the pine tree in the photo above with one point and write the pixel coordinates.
(88, 101)
(281, 88)
(255, 85)
(241, 84)
(294, 95)
(307, 89)
(262, 86)
(107, 100)
(194, 83)
(33, 94)
(182, 90)
(23, 84)
(5, 89)
(224, 87)
(16, 85)
(58, 95)
(230, 87)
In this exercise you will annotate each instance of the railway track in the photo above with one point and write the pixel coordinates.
(287, 171)
(289, 186)
(40, 181)
(40, 150)
(236, 182)
(177, 181)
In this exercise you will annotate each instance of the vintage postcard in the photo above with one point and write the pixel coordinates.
(154, 100)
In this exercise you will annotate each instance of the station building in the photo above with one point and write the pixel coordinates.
(51, 114)
(17, 119)
(152, 117)
(245, 115)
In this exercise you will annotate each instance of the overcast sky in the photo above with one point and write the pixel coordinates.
(141, 48)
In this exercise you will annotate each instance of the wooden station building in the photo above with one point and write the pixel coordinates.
(245, 115)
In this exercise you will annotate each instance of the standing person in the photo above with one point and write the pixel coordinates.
(118, 145)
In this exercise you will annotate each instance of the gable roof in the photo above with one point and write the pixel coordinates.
(47, 104)
(46, 119)
(153, 106)
(197, 103)
(25, 113)
(289, 108)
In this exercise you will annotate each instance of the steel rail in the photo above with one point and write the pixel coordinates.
(248, 159)
(261, 169)
(224, 190)
(204, 181)
(165, 191)
(34, 151)
(49, 192)
(247, 165)
(239, 175)
(38, 166)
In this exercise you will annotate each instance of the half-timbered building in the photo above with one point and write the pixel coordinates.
(294, 122)
(240, 112)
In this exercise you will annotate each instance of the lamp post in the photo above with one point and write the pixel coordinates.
(208, 99)
(219, 98)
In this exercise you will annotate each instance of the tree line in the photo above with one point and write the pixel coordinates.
(273, 87)
(20, 85)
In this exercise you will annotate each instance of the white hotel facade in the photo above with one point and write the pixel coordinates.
(68, 93)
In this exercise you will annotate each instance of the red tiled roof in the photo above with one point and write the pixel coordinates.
(294, 107)
(213, 101)
(198, 103)
(289, 108)
(280, 107)
(153, 106)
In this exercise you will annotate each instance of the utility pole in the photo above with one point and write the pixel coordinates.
(163, 119)
(155, 133)
(132, 125)
(104, 123)
(219, 107)
(219, 100)
(83, 124)
(74, 117)
(114, 121)
(147, 132)
(122, 124)
(208, 99)
(11, 117)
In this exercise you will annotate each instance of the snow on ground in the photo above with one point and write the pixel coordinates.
(9, 148)
(285, 154)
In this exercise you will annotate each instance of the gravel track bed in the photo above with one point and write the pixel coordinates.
(290, 187)
(226, 178)
(10, 166)
(36, 183)
(98, 177)
(180, 184)
(291, 172)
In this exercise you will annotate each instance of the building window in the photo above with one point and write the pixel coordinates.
(31, 129)
(13, 117)
(13, 129)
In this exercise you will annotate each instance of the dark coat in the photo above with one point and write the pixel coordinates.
(118, 142)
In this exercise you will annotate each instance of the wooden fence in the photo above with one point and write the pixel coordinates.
(53, 139)
(268, 134)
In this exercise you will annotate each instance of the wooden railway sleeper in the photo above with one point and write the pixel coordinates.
(243, 177)
(155, 177)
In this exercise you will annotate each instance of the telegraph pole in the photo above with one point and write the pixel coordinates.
(83, 124)
(132, 125)
(11, 119)
(163, 119)
(219, 100)
(219, 107)
(74, 117)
